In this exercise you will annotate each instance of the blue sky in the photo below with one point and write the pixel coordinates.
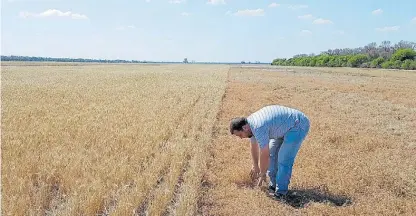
(201, 30)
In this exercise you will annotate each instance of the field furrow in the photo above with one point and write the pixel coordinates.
(171, 205)
(174, 146)
(154, 156)
(98, 139)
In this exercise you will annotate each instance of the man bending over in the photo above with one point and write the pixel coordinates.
(276, 134)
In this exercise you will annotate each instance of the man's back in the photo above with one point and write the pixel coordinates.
(273, 122)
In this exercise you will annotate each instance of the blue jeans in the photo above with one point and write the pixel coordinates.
(283, 153)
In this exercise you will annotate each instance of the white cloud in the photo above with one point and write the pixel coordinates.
(53, 13)
(216, 2)
(377, 12)
(273, 5)
(228, 13)
(248, 12)
(176, 1)
(296, 7)
(414, 20)
(79, 16)
(306, 32)
(388, 29)
(306, 16)
(147, 0)
(185, 14)
(322, 21)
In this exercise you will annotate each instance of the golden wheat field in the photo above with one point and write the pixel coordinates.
(117, 139)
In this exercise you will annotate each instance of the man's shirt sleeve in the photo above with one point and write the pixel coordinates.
(262, 136)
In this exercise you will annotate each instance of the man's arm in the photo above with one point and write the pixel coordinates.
(255, 156)
(255, 153)
(264, 159)
(262, 137)
(264, 164)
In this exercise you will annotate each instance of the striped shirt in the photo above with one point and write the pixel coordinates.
(272, 122)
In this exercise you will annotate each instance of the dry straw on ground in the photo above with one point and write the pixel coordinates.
(358, 158)
(91, 139)
(106, 139)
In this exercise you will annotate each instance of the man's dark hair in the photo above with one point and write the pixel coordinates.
(237, 124)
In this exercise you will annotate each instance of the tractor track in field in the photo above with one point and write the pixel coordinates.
(204, 203)
(179, 186)
(169, 210)
(143, 207)
(111, 205)
(142, 210)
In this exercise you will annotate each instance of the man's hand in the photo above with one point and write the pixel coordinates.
(255, 170)
(262, 178)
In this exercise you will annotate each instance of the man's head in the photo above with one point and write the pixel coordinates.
(239, 127)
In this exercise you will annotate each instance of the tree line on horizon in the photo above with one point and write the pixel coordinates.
(401, 55)
(51, 59)
(80, 60)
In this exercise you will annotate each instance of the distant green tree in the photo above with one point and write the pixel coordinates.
(357, 60)
(365, 65)
(387, 65)
(403, 54)
(409, 64)
(376, 63)
(397, 64)
(312, 62)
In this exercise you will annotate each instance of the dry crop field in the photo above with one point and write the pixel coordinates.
(106, 139)
(95, 139)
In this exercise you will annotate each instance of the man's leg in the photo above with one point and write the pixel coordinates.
(286, 157)
(274, 146)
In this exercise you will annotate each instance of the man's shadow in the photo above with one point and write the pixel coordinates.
(299, 198)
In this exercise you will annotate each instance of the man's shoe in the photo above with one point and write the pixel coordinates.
(280, 197)
(271, 190)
